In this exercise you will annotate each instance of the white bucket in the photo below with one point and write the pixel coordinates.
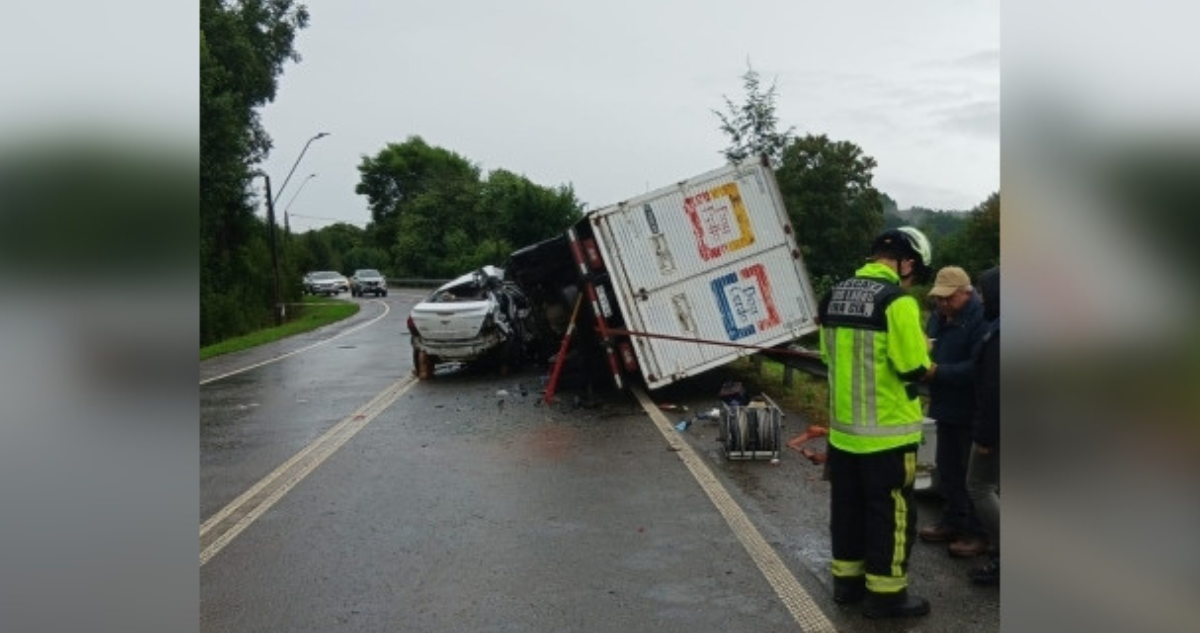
(927, 457)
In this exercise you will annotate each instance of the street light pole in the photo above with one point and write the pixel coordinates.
(280, 309)
(286, 225)
(297, 163)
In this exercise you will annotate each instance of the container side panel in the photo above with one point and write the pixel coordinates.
(713, 260)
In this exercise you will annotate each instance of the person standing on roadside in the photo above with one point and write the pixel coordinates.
(875, 351)
(954, 328)
(983, 470)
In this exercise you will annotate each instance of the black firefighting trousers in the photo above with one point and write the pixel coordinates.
(873, 517)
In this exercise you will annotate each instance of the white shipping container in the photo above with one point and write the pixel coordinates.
(712, 260)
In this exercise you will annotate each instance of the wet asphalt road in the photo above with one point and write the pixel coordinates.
(460, 504)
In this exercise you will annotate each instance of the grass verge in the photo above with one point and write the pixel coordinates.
(315, 312)
(808, 394)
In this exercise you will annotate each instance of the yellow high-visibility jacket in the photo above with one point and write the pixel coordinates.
(873, 345)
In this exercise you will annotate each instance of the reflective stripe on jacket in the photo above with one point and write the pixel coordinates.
(870, 363)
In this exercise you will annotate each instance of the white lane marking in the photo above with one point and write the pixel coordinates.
(295, 469)
(798, 601)
(386, 310)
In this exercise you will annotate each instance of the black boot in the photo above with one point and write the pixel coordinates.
(849, 590)
(894, 605)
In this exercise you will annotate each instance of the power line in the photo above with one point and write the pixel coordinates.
(358, 223)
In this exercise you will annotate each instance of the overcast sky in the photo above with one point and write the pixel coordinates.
(616, 97)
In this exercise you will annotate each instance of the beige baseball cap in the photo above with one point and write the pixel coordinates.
(949, 280)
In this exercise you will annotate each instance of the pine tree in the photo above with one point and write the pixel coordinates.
(751, 127)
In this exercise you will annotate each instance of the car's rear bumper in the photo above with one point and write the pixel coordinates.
(460, 350)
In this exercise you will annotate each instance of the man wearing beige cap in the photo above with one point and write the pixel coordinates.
(954, 328)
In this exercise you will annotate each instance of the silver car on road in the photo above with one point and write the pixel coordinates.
(476, 317)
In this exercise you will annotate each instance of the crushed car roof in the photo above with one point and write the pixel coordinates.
(471, 277)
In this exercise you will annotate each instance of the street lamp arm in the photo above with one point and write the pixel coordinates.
(297, 164)
(297, 194)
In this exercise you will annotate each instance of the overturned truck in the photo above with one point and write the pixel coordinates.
(674, 282)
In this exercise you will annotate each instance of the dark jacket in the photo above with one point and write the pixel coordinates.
(952, 391)
(986, 430)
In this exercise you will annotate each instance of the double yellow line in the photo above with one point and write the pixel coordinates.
(221, 528)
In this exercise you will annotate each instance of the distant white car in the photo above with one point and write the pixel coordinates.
(476, 317)
(327, 283)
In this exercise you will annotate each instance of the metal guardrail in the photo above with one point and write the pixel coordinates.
(799, 358)
(415, 283)
(803, 359)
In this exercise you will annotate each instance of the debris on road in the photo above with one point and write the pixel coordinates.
(797, 443)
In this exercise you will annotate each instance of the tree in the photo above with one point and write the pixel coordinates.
(243, 46)
(423, 198)
(524, 212)
(439, 220)
(890, 207)
(836, 211)
(367, 257)
(976, 245)
(751, 126)
(401, 173)
(311, 251)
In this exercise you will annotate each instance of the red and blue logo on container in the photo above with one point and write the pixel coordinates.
(745, 301)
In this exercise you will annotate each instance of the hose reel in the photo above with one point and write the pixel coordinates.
(752, 430)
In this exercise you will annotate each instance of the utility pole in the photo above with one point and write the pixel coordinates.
(280, 311)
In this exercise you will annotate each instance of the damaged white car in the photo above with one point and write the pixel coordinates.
(478, 317)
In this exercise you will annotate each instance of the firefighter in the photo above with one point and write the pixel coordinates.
(875, 349)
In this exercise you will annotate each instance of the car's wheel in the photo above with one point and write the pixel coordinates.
(384, 293)
(425, 364)
(510, 356)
